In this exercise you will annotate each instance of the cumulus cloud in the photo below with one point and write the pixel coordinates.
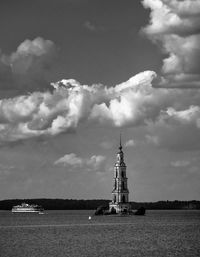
(175, 25)
(30, 54)
(132, 103)
(106, 145)
(152, 139)
(188, 116)
(72, 161)
(92, 27)
(172, 17)
(129, 143)
(5, 170)
(28, 66)
(88, 25)
(180, 163)
(70, 103)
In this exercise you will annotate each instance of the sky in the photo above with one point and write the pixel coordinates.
(74, 74)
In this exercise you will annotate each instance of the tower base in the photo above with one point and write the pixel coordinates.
(119, 207)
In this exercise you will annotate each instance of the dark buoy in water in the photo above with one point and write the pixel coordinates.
(140, 211)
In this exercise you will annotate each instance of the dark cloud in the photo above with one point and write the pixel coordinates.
(176, 130)
(28, 68)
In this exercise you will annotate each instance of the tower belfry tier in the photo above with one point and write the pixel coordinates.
(120, 193)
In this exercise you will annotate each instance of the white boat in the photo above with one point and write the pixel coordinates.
(25, 207)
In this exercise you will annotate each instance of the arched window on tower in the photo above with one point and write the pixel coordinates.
(123, 199)
(114, 199)
(115, 186)
(123, 185)
(122, 174)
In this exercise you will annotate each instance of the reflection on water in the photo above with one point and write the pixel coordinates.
(71, 233)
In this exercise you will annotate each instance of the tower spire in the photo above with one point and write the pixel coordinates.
(120, 142)
(120, 154)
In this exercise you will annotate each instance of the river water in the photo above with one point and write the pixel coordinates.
(72, 234)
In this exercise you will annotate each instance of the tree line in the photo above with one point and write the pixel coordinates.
(72, 204)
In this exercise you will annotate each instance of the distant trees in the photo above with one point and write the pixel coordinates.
(56, 204)
(71, 204)
(168, 205)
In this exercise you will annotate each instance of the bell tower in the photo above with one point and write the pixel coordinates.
(120, 202)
